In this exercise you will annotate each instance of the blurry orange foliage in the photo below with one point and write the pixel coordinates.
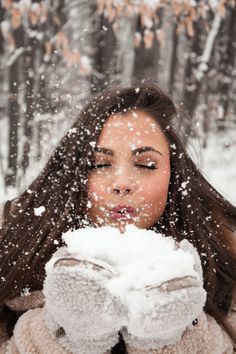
(15, 18)
(48, 48)
(7, 4)
(184, 12)
(184, 15)
(148, 38)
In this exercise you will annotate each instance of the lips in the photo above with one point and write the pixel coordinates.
(124, 212)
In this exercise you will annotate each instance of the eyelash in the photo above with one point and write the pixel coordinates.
(94, 167)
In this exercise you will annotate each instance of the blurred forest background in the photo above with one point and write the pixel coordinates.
(55, 54)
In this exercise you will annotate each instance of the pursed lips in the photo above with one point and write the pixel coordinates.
(124, 212)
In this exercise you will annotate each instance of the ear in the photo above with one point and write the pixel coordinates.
(186, 246)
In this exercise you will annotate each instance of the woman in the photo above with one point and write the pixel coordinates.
(76, 186)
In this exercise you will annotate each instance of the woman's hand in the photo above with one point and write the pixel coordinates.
(168, 309)
(84, 315)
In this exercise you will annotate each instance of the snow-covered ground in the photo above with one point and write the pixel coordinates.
(217, 161)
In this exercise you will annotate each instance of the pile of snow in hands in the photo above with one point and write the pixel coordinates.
(140, 257)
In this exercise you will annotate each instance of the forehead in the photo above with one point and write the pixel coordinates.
(135, 128)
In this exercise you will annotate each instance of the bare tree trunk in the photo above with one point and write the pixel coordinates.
(174, 60)
(79, 31)
(195, 74)
(2, 67)
(42, 101)
(146, 59)
(13, 112)
(29, 70)
(192, 86)
(104, 46)
(227, 65)
(2, 13)
(42, 108)
(125, 49)
(180, 54)
(206, 113)
(166, 53)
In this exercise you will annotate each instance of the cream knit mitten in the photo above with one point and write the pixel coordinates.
(81, 312)
(167, 309)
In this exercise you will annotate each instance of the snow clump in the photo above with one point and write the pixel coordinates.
(39, 211)
(140, 257)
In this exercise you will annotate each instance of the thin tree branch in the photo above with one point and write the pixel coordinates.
(17, 53)
(205, 58)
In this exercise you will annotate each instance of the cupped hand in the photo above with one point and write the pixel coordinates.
(80, 310)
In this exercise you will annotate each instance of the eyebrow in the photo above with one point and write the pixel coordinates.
(137, 151)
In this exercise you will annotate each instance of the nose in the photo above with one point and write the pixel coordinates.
(122, 185)
(123, 180)
(121, 191)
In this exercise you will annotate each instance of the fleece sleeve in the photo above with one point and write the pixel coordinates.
(205, 337)
(31, 336)
(3, 337)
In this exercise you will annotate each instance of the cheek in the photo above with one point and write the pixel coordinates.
(96, 188)
(155, 191)
(96, 196)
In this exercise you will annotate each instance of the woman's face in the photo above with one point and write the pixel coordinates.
(129, 181)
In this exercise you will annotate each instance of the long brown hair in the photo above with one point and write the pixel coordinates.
(195, 210)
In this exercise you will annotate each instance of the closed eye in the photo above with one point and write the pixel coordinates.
(100, 165)
(149, 167)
